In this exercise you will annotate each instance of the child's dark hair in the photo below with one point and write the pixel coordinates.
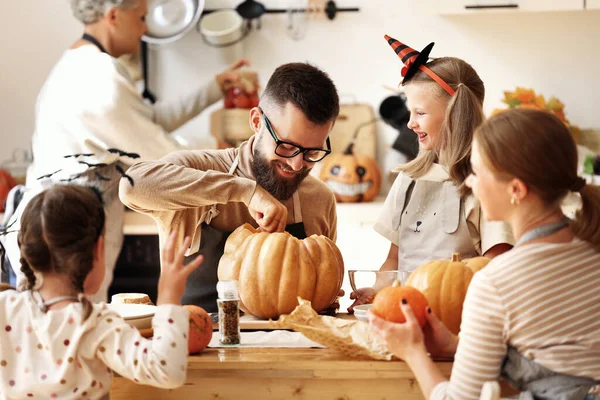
(59, 229)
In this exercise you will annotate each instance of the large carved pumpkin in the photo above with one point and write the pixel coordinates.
(274, 269)
(444, 283)
(352, 177)
(7, 182)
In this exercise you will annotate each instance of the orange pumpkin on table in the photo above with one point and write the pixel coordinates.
(274, 269)
(201, 329)
(444, 283)
(386, 303)
(352, 177)
(7, 182)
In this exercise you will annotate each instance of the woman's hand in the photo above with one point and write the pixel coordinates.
(403, 340)
(230, 74)
(438, 338)
(173, 274)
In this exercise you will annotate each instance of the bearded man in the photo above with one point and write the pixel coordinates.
(207, 194)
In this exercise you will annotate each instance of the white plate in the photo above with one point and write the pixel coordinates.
(138, 315)
(133, 311)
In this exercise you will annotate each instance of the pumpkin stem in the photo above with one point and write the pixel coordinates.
(396, 283)
(456, 257)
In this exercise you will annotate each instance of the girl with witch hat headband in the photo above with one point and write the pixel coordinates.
(532, 315)
(429, 212)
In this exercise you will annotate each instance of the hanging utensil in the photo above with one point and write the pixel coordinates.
(251, 9)
(147, 94)
(170, 20)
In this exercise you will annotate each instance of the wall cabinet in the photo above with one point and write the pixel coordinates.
(592, 4)
(450, 7)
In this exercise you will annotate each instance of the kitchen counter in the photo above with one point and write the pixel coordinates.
(277, 373)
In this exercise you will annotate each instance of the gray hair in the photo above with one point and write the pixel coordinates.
(90, 11)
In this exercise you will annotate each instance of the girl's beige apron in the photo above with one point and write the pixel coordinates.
(430, 218)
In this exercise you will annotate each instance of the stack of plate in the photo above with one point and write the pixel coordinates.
(138, 315)
(360, 312)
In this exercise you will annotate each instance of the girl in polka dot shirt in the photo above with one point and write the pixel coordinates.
(55, 344)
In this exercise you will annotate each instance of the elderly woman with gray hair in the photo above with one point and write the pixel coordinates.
(89, 105)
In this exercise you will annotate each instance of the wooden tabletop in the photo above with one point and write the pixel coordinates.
(261, 373)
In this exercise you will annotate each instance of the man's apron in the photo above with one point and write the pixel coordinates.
(201, 286)
(431, 222)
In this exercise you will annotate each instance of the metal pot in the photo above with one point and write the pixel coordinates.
(170, 20)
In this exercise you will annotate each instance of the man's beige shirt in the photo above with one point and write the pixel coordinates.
(178, 191)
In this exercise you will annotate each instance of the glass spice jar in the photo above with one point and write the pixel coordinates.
(228, 304)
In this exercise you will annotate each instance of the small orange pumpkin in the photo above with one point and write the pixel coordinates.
(445, 283)
(352, 177)
(386, 304)
(201, 329)
(7, 182)
(274, 269)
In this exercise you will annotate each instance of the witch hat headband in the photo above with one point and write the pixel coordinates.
(413, 61)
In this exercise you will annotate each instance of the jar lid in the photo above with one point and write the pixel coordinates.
(228, 290)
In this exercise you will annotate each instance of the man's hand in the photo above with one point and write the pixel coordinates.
(269, 214)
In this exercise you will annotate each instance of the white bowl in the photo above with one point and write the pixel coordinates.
(362, 317)
(363, 308)
(360, 312)
(138, 315)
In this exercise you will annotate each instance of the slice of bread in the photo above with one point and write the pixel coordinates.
(131, 298)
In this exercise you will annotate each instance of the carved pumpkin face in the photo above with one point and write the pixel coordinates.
(352, 177)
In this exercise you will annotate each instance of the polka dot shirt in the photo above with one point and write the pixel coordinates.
(57, 355)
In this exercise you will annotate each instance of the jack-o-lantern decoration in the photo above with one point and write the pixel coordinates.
(354, 178)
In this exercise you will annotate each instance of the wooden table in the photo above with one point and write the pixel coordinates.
(257, 373)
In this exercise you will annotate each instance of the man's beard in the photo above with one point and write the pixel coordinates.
(266, 176)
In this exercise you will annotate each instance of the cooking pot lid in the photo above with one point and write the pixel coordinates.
(168, 18)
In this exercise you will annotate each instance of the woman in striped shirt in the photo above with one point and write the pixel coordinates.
(536, 307)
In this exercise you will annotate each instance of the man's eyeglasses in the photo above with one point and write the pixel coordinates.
(290, 150)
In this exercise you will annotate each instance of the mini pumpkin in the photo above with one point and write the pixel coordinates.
(201, 329)
(7, 182)
(352, 177)
(445, 283)
(386, 303)
(274, 269)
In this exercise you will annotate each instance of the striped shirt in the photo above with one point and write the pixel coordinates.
(542, 299)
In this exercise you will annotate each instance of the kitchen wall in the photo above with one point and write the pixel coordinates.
(555, 53)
